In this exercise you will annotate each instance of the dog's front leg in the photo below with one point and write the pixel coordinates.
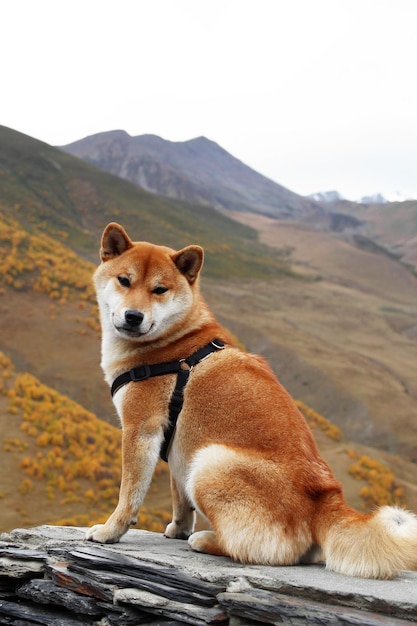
(140, 455)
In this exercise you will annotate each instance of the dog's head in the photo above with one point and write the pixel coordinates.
(144, 291)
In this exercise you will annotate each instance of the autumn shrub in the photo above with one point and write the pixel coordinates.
(381, 485)
(315, 420)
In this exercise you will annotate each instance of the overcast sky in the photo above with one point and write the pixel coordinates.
(314, 94)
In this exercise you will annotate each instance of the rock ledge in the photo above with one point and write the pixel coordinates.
(50, 575)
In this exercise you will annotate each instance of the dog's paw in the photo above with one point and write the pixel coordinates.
(100, 534)
(206, 541)
(173, 531)
(198, 541)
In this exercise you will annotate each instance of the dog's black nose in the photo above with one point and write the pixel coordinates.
(134, 318)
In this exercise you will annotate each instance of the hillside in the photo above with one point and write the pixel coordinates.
(60, 463)
(198, 171)
(392, 225)
(345, 342)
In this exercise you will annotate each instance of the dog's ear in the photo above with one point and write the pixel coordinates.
(189, 261)
(114, 242)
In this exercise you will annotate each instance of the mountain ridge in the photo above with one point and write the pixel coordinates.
(197, 170)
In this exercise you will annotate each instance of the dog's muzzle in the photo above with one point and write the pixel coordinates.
(131, 324)
(133, 319)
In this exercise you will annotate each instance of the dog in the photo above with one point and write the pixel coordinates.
(241, 453)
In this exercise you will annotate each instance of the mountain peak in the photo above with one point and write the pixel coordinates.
(198, 171)
(109, 135)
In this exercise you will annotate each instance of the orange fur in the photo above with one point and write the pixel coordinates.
(242, 455)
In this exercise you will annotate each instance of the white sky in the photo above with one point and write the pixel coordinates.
(314, 94)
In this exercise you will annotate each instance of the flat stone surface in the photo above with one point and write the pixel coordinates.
(153, 547)
(309, 581)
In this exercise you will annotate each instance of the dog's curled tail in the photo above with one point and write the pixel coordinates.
(377, 545)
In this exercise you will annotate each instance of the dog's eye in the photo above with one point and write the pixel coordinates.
(160, 290)
(125, 282)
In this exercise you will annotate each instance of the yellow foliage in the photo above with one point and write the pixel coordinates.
(40, 263)
(25, 486)
(5, 363)
(42, 440)
(75, 450)
(381, 488)
(314, 419)
(14, 444)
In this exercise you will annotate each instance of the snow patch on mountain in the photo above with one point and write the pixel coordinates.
(326, 196)
(374, 198)
(386, 197)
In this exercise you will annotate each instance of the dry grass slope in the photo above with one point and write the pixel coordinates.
(64, 463)
(344, 343)
(38, 262)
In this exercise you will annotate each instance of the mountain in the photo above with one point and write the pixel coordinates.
(202, 174)
(197, 171)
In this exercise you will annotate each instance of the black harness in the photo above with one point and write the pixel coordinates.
(182, 368)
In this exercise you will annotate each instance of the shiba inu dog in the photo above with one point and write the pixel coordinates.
(241, 454)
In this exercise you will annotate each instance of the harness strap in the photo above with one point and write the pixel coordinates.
(174, 409)
(183, 368)
(142, 372)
